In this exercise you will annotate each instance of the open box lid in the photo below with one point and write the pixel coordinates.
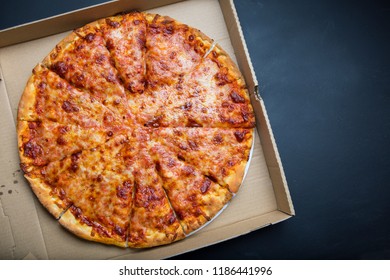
(28, 231)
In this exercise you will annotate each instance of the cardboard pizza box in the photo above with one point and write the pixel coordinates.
(28, 231)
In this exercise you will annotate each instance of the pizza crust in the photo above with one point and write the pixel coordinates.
(27, 101)
(23, 134)
(237, 176)
(44, 193)
(208, 43)
(92, 27)
(71, 223)
(234, 180)
(157, 238)
(60, 47)
(224, 59)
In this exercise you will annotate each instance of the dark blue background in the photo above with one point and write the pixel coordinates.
(324, 74)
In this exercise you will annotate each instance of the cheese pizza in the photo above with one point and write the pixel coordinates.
(135, 130)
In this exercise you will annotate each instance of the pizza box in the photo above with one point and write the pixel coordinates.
(28, 231)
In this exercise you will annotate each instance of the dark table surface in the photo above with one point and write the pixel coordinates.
(324, 74)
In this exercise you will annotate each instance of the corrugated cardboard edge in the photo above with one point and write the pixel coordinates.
(60, 23)
(264, 129)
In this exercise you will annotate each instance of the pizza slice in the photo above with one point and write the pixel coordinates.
(152, 221)
(90, 192)
(172, 49)
(220, 154)
(101, 213)
(61, 182)
(195, 198)
(125, 37)
(214, 94)
(49, 97)
(83, 59)
(43, 141)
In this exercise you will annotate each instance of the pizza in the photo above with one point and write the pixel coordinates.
(135, 130)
